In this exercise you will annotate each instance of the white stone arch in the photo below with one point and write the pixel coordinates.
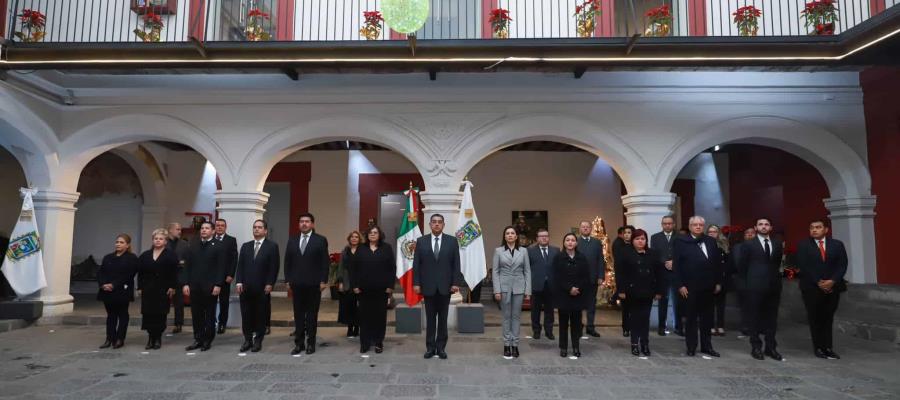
(153, 190)
(588, 135)
(29, 139)
(843, 170)
(96, 138)
(278, 144)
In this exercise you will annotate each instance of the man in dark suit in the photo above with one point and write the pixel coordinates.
(540, 257)
(593, 250)
(203, 278)
(231, 255)
(180, 247)
(436, 275)
(663, 242)
(306, 272)
(823, 263)
(256, 273)
(697, 263)
(757, 263)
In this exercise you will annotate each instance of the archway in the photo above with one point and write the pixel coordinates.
(10, 205)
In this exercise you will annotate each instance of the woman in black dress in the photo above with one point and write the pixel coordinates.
(373, 275)
(718, 328)
(348, 308)
(638, 281)
(115, 279)
(571, 279)
(157, 279)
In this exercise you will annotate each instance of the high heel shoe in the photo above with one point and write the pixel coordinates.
(634, 350)
(157, 344)
(507, 352)
(576, 352)
(645, 350)
(563, 353)
(515, 351)
(106, 344)
(150, 343)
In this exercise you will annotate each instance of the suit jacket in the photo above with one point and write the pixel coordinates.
(309, 268)
(205, 266)
(568, 273)
(436, 276)
(662, 246)
(254, 273)
(119, 271)
(155, 278)
(231, 253)
(639, 275)
(693, 269)
(592, 250)
(758, 271)
(541, 269)
(181, 249)
(813, 269)
(511, 273)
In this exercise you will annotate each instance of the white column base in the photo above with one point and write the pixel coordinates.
(853, 222)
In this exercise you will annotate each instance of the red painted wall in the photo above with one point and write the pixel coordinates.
(298, 175)
(882, 110)
(197, 19)
(685, 190)
(372, 186)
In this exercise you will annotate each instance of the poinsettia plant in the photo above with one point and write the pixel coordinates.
(585, 16)
(659, 15)
(372, 26)
(151, 31)
(746, 19)
(255, 31)
(500, 20)
(821, 15)
(33, 23)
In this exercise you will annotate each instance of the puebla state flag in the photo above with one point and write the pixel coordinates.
(406, 245)
(471, 242)
(23, 263)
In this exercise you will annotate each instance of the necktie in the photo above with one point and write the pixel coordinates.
(768, 249)
(303, 244)
(255, 249)
(544, 253)
(437, 247)
(822, 249)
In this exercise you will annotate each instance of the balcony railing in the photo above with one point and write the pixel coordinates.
(104, 21)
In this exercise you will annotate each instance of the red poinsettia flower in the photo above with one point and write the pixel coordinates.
(32, 18)
(659, 14)
(335, 257)
(255, 12)
(373, 18)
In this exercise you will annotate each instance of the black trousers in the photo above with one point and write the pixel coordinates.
(268, 310)
(178, 306)
(203, 315)
(436, 309)
(154, 324)
(253, 314)
(626, 314)
(372, 317)
(762, 316)
(670, 295)
(698, 307)
(224, 298)
(542, 302)
(569, 326)
(820, 309)
(719, 309)
(306, 313)
(639, 319)
(592, 305)
(116, 320)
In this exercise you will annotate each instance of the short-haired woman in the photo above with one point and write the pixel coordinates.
(157, 280)
(115, 279)
(639, 281)
(571, 282)
(511, 274)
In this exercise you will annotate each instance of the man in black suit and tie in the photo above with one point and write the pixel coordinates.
(180, 247)
(593, 250)
(231, 255)
(697, 263)
(203, 277)
(256, 273)
(436, 275)
(540, 257)
(306, 272)
(758, 264)
(823, 263)
(663, 242)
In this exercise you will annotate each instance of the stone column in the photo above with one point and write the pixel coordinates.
(55, 213)
(240, 209)
(853, 222)
(444, 202)
(645, 211)
(152, 220)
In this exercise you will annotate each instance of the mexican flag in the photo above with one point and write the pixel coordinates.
(406, 245)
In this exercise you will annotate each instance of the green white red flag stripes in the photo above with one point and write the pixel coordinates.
(406, 245)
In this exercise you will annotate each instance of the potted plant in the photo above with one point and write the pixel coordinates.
(585, 17)
(660, 19)
(333, 270)
(746, 20)
(820, 15)
(151, 31)
(255, 31)
(372, 27)
(33, 23)
(500, 22)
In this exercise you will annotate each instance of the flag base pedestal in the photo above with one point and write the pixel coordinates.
(27, 310)
(409, 320)
(470, 318)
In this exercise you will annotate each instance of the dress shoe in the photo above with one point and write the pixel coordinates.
(157, 344)
(176, 329)
(593, 333)
(430, 353)
(221, 329)
(563, 353)
(257, 346)
(576, 352)
(831, 355)
(310, 348)
(246, 346)
(820, 353)
(645, 350)
(205, 347)
(108, 343)
(774, 354)
(194, 346)
(379, 348)
(757, 354)
(691, 353)
(550, 336)
(349, 331)
(536, 335)
(679, 332)
(507, 352)
(711, 353)
(297, 350)
(662, 332)
(149, 345)
(118, 344)
(634, 350)
(626, 333)
(515, 351)
(268, 330)
(442, 354)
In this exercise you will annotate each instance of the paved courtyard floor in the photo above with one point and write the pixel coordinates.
(63, 362)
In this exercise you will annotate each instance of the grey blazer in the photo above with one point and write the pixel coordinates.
(511, 273)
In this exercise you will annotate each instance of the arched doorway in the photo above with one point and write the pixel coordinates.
(10, 205)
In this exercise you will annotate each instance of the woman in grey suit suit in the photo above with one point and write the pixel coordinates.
(511, 274)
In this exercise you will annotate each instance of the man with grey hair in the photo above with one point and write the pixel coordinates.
(176, 244)
(698, 275)
(593, 251)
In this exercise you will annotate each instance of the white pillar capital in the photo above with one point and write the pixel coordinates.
(445, 203)
(853, 222)
(47, 199)
(55, 215)
(240, 209)
(645, 210)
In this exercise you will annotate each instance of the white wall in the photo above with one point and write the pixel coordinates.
(11, 179)
(710, 175)
(190, 186)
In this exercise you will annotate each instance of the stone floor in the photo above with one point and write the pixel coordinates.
(63, 362)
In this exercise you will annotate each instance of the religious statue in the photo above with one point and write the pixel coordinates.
(598, 231)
